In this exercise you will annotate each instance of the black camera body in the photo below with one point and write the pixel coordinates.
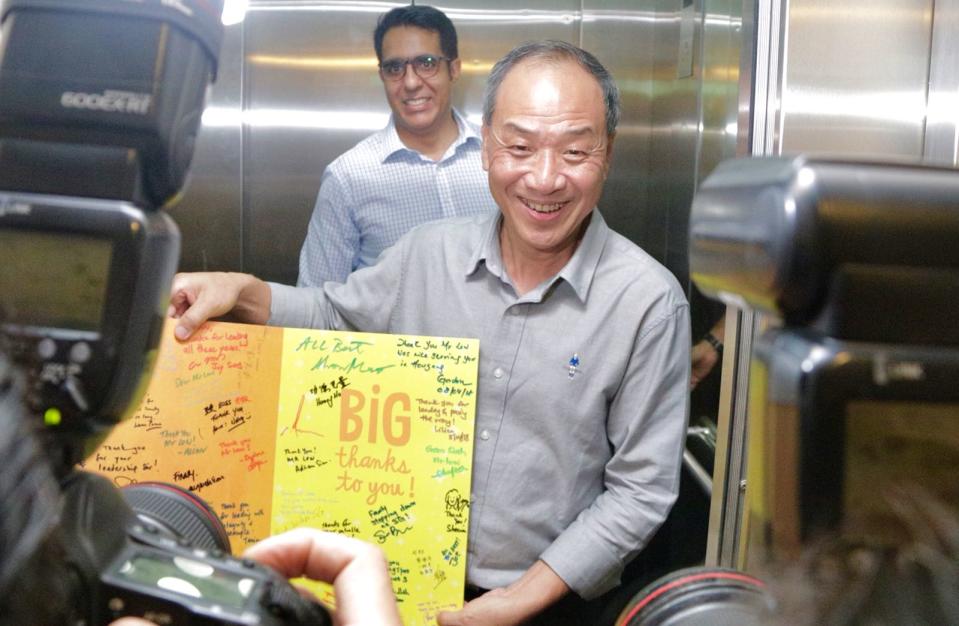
(150, 553)
(854, 392)
(82, 295)
(853, 408)
(100, 104)
(83, 286)
(103, 98)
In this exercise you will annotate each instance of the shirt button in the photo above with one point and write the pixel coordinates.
(498, 372)
(484, 435)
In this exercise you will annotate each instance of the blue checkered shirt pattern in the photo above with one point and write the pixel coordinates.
(378, 190)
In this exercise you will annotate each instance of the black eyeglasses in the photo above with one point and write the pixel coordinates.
(425, 66)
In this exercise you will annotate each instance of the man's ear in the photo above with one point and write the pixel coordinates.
(455, 69)
(609, 153)
(486, 143)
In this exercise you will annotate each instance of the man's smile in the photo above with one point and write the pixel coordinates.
(551, 207)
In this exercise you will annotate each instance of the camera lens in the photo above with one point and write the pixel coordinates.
(700, 596)
(180, 513)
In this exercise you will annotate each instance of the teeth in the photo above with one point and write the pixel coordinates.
(544, 208)
(415, 101)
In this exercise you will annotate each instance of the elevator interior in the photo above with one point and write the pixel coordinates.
(701, 81)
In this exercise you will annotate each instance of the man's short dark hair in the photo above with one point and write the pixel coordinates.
(420, 16)
(553, 51)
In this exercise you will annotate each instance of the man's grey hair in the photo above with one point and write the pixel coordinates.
(552, 51)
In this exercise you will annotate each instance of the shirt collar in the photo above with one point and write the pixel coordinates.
(488, 249)
(392, 144)
(578, 272)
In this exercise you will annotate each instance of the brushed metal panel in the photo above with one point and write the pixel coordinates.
(620, 34)
(856, 79)
(209, 213)
(675, 137)
(311, 91)
(676, 128)
(719, 93)
(489, 29)
(942, 122)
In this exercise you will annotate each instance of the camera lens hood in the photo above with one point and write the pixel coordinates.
(183, 515)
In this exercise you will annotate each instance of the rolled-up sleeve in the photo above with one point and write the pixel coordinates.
(646, 428)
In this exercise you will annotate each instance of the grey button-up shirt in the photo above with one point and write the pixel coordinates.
(582, 394)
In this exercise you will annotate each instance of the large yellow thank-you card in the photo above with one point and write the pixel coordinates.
(368, 435)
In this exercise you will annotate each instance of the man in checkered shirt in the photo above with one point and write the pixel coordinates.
(425, 165)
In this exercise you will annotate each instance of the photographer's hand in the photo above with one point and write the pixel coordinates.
(197, 297)
(357, 570)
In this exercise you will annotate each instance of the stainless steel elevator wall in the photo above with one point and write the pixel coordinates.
(298, 86)
(856, 81)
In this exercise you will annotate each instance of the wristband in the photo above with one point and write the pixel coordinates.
(715, 343)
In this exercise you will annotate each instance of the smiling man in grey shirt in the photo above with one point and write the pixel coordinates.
(584, 344)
